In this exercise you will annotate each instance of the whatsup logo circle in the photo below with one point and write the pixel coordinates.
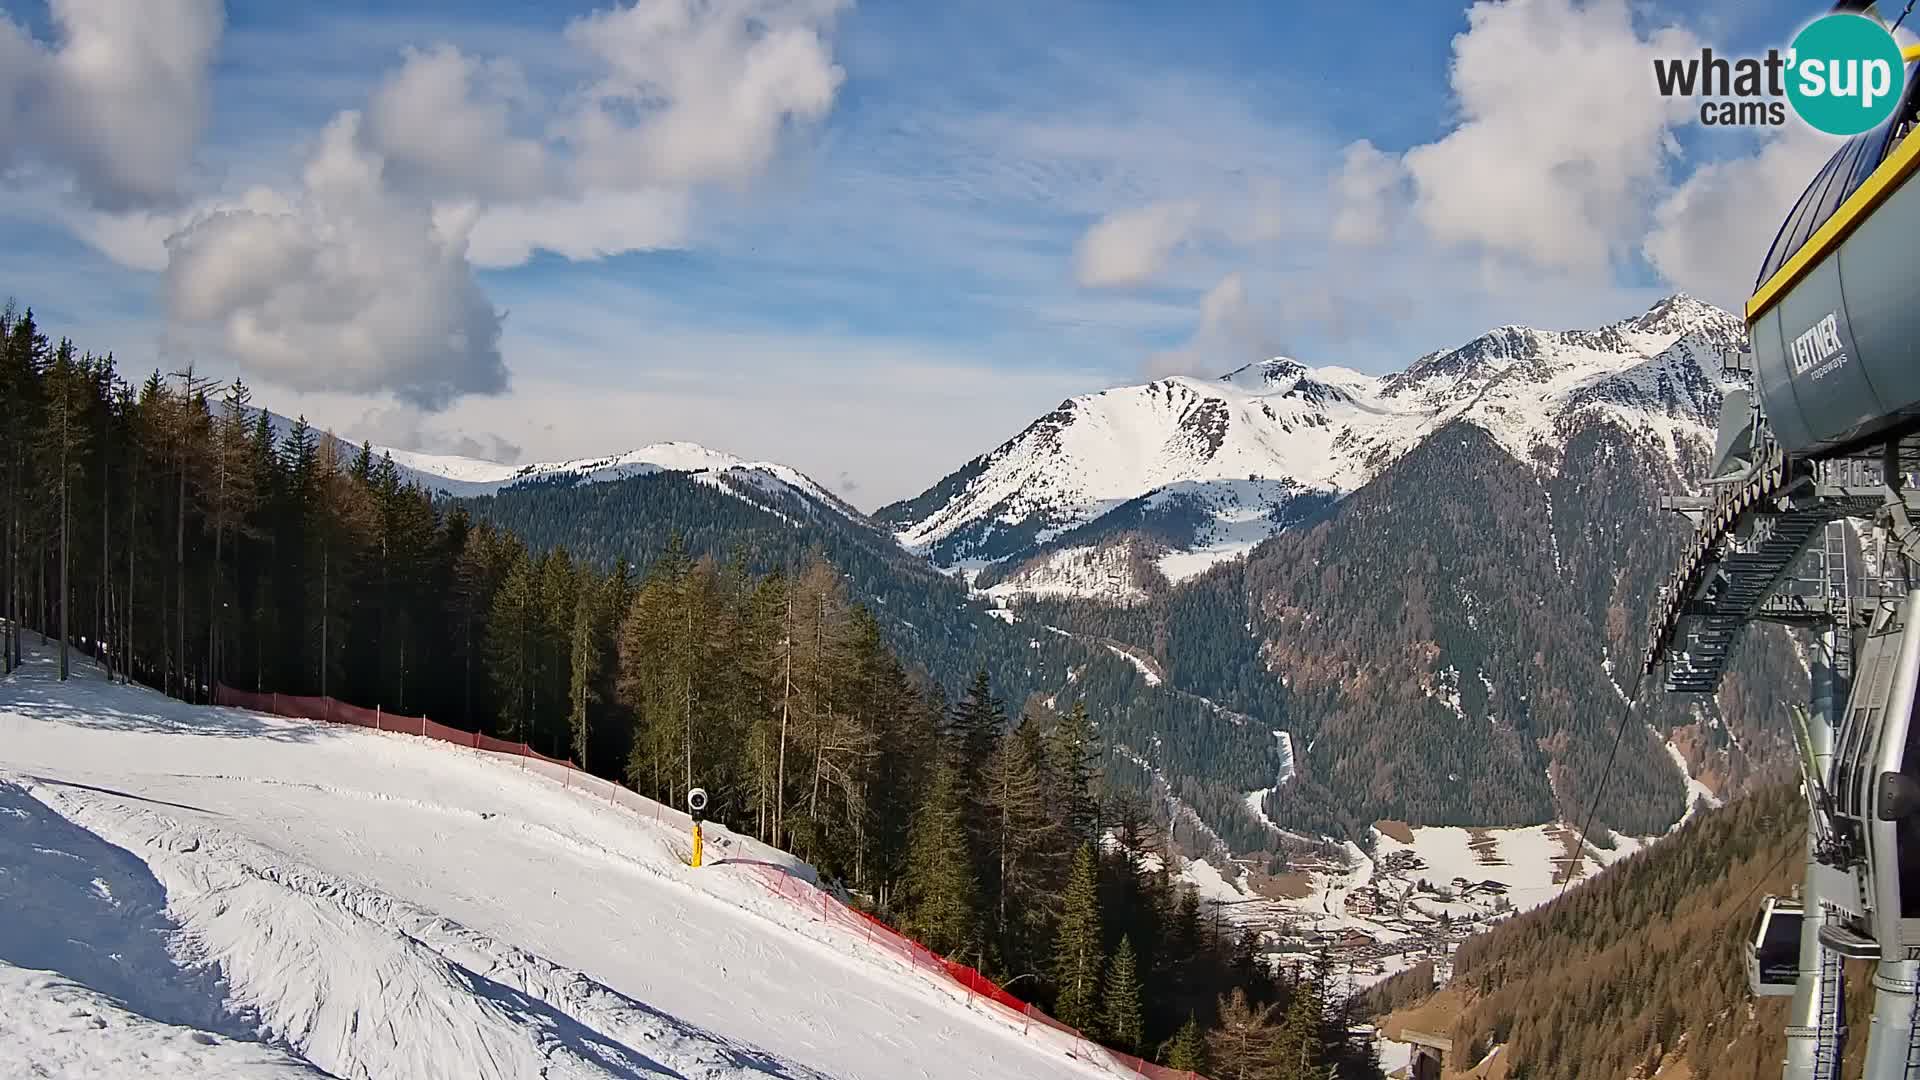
(1845, 74)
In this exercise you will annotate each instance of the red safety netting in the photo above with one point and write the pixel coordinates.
(332, 711)
(805, 895)
(980, 990)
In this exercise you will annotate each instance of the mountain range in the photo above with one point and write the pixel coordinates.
(1190, 472)
(1422, 589)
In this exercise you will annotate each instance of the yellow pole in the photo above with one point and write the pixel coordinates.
(698, 843)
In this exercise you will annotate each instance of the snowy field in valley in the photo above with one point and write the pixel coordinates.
(1381, 913)
(194, 891)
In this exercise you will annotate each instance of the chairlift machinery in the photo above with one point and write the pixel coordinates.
(1823, 449)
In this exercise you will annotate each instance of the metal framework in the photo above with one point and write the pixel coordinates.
(1827, 548)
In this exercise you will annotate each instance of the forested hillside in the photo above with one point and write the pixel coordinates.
(1207, 756)
(1642, 967)
(162, 531)
(1453, 643)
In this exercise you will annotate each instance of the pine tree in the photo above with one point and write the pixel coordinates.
(1298, 1050)
(1242, 1046)
(64, 442)
(1188, 1050)
(940, 885)
(1120, 1019)
(513, 628)
(1077, 945)
(1024, 844)
(589, 627)
(977, 723)
(1072, 749)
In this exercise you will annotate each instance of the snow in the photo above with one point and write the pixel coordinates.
(1446, 690)
(1287, 766)
(208, 890)
(1139, 665)
(1256, 802)
(51, 1026)
(1697, 792)
(1210, 884)
(1074, 571)
(1394, 1055)
(462, 476)
(1523, 858)
(1238, 448)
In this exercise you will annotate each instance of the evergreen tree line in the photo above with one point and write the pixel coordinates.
(167, 530)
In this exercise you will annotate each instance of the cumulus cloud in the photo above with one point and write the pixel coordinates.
(1563, 139)
(1231, 333)
(1363, 190)
(117, 103)
(408, 429)
(1130, 247)
(351, 288)
(1711, 232)
(362, 281)
(443, 121)
(698, 91)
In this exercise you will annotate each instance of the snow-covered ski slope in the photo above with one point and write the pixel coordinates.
(194, 891)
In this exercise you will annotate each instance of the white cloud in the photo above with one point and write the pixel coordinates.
(361, 281)
(407, 428)
(1231, 333)
(117, 103)
(1363, 189)
(589, 227)
(353, 288)
(1711, 233)
(698, 91)
(1130, 247)
(443, 121)
(1563, 139)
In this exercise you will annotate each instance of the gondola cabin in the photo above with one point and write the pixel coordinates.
(1773, 955)
(1834, 319)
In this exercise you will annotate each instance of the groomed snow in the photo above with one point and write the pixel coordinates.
(191, 890)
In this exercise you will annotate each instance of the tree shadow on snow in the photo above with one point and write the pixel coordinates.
(92, 911)
(88, 700)
(618, 1058)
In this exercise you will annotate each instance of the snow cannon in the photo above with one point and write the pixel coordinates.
(697, 802)
(1834, 320)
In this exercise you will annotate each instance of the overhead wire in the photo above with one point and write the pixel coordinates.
(1792, 848)
(1580, 853)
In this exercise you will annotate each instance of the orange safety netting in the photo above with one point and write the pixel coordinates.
(811, 898)
(805, 895)
(333, 711)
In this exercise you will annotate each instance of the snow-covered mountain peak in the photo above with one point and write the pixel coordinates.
(1284, 376)
(1680, 314)
(466, 477)
(1206, 469)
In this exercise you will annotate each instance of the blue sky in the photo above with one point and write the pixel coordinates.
(873, 251)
